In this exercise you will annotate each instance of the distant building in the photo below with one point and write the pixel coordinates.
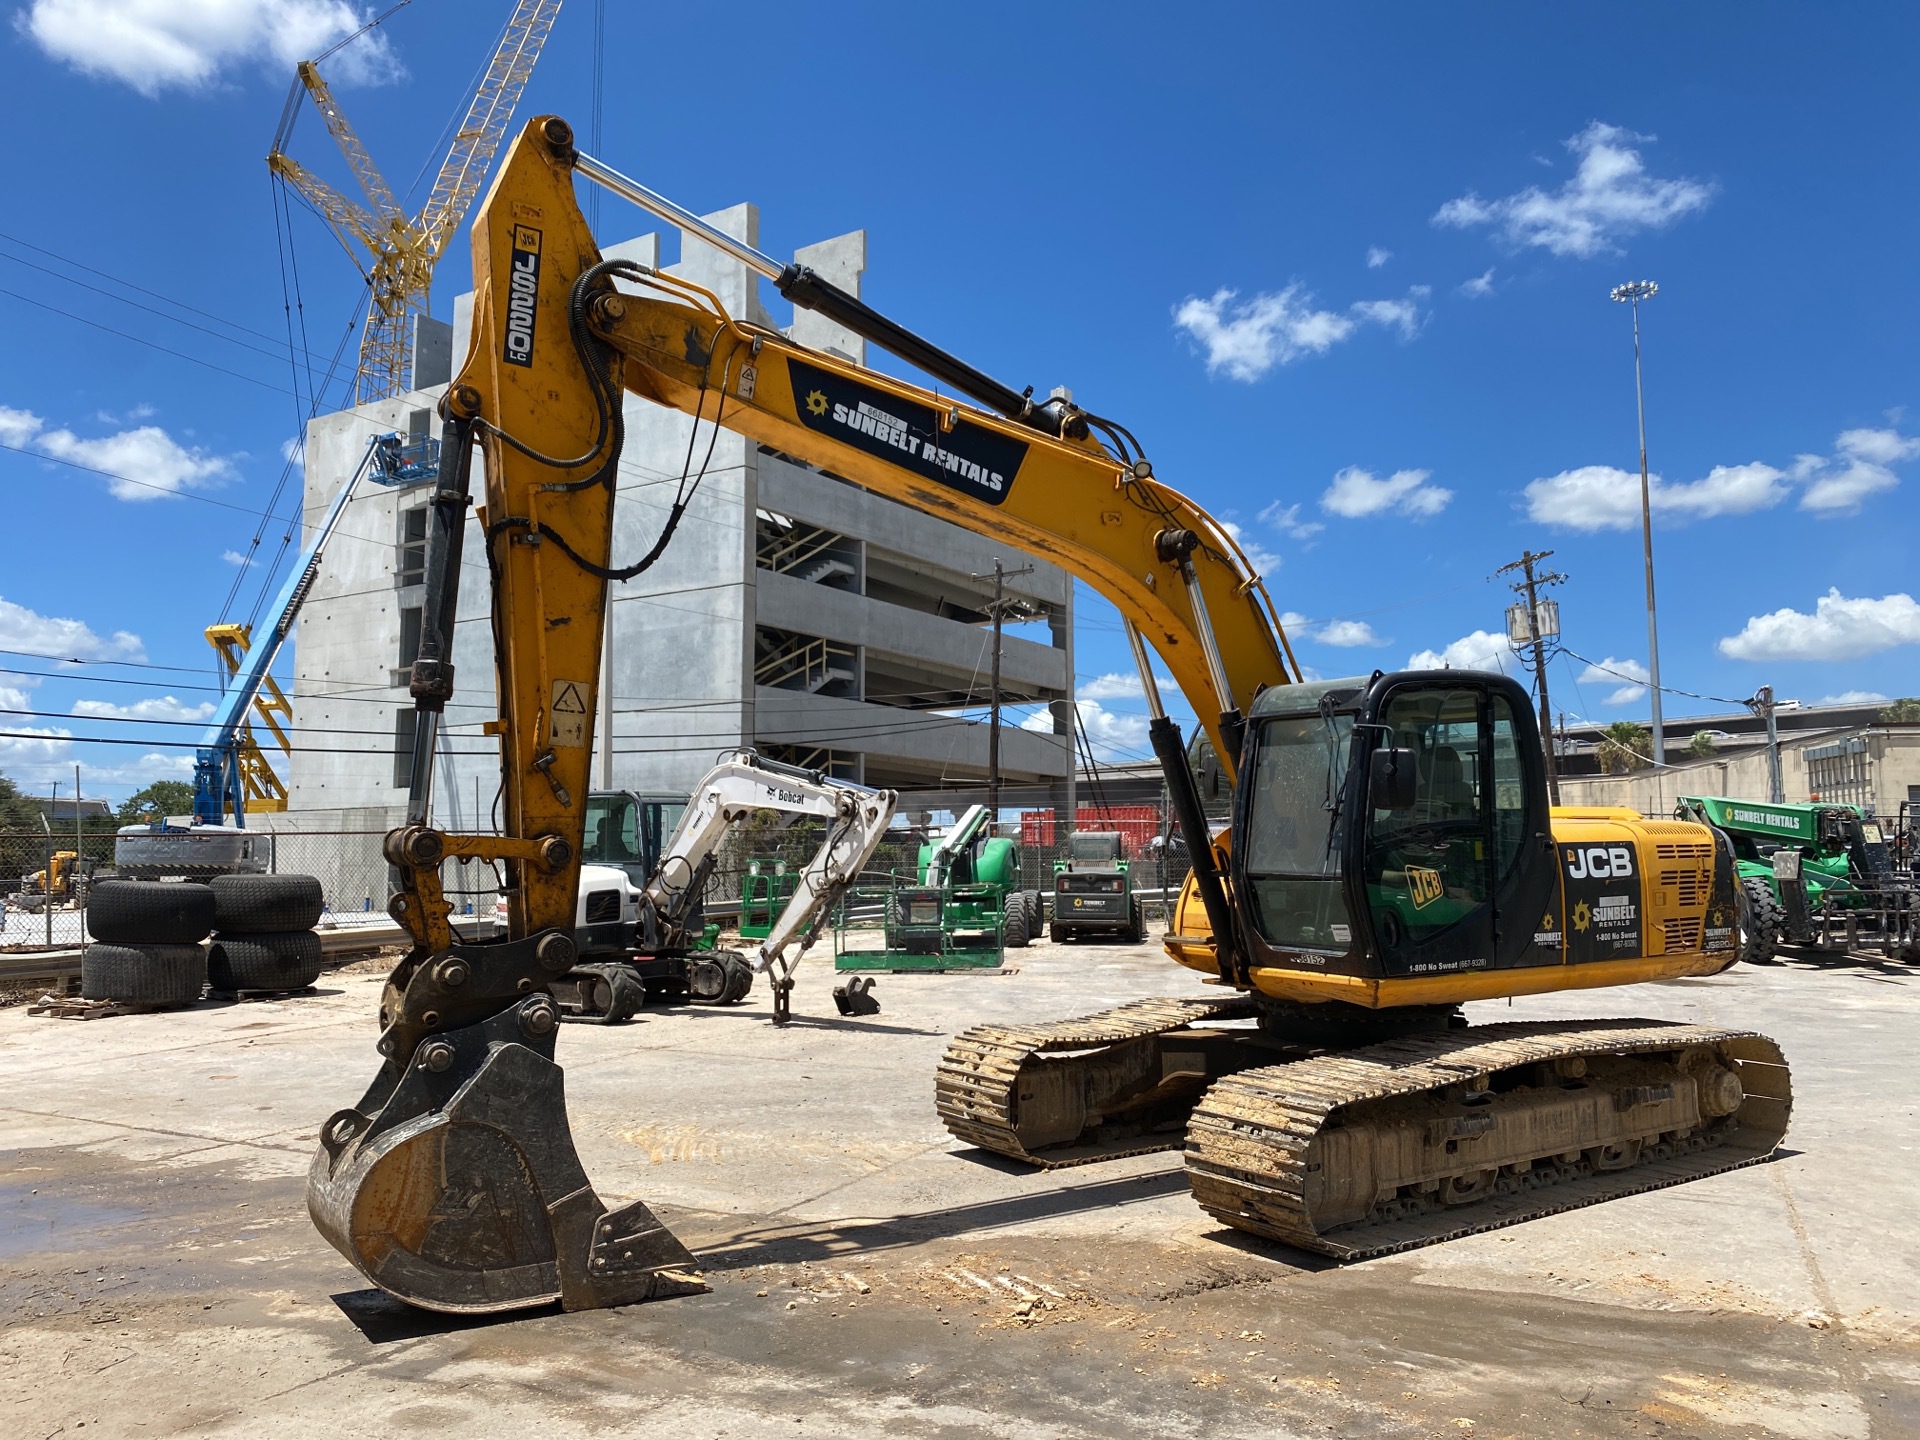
(1838, 753)
(793, 611)
(56, 811)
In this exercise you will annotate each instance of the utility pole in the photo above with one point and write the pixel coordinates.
(1534, 629)
(1000, 577)
(1632, 293)
(1762, 705)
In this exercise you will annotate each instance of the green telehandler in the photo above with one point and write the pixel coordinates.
(1816, 875)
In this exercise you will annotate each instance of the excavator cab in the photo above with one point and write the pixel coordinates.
(1384, 827)
(629, 831)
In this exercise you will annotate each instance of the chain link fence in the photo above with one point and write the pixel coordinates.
(355, 881)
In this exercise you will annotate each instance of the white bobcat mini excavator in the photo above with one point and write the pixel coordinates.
(642, 939)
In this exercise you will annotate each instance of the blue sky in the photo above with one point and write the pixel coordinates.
(1345, 274)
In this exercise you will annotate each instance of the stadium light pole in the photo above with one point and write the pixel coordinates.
(1632, 293)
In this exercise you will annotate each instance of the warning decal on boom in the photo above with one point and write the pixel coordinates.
(969, 458)
(569, 725)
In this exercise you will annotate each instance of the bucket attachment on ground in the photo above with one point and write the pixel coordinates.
(856, 997)
(454, 1184)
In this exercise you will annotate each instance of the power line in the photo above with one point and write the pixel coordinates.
(128, 284)
(152, 345)
(1645, 685)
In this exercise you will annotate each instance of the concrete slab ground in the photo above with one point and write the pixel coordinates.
(158, 1274)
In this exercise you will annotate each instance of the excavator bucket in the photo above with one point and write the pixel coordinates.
(454, 1184)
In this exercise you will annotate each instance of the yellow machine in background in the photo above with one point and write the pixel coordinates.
(265, 791)
(1391, 853)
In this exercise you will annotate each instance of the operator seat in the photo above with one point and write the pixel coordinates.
(1449, 796)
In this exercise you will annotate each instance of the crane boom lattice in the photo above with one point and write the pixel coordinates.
(401, 252)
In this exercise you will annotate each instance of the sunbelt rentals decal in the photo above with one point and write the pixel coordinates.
(968, 457)
(523, 291)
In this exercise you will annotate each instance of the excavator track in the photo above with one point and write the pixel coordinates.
(1429, 1137)
(1097, 1087)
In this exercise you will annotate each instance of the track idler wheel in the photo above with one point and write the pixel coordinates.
(454, 1184)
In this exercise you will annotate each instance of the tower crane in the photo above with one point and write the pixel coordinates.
(403, 250)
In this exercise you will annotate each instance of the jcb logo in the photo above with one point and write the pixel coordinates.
(1600, 862)
(523, 292)
(1425, 886)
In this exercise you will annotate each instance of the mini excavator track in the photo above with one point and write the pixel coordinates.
(1120, 1082)
(1429, 1137)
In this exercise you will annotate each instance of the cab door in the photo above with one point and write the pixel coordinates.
(1429, 871)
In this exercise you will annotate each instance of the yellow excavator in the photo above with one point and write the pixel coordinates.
(1391, 854)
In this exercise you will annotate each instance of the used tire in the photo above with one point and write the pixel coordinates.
(1765, 921)
(143, 974)
(287, 961)
(1014, 932)
(149, 912)
(265, 904)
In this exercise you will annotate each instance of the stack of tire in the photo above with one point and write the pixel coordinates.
(263, 936)
(146, 947)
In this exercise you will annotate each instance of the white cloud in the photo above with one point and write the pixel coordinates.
(47, 755)
(1856, 697)
(1348, 633)
(1114, 737)
(1247, 338)
(1878, 447)
(1859, 469)
(1356, 492)
(1479, 287)
(1263, 560)
(1839, 629)
(1401, 315)
(1120, 685)
(1609, 197)
(1345, 634)
(36, 634)
(1604, 497)
(17, 427)
(1286, 519)
(1376, 257)
(156, 45)
(234, 557)
(1611, 672)
(1482, 650)
(144, 463)
(166, 707)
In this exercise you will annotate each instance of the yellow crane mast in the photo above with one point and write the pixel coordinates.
(402, 251)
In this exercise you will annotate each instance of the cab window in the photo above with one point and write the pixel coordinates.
(1426, 868)
(613, 834)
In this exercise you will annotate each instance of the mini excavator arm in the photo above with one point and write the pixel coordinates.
(744, 785)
